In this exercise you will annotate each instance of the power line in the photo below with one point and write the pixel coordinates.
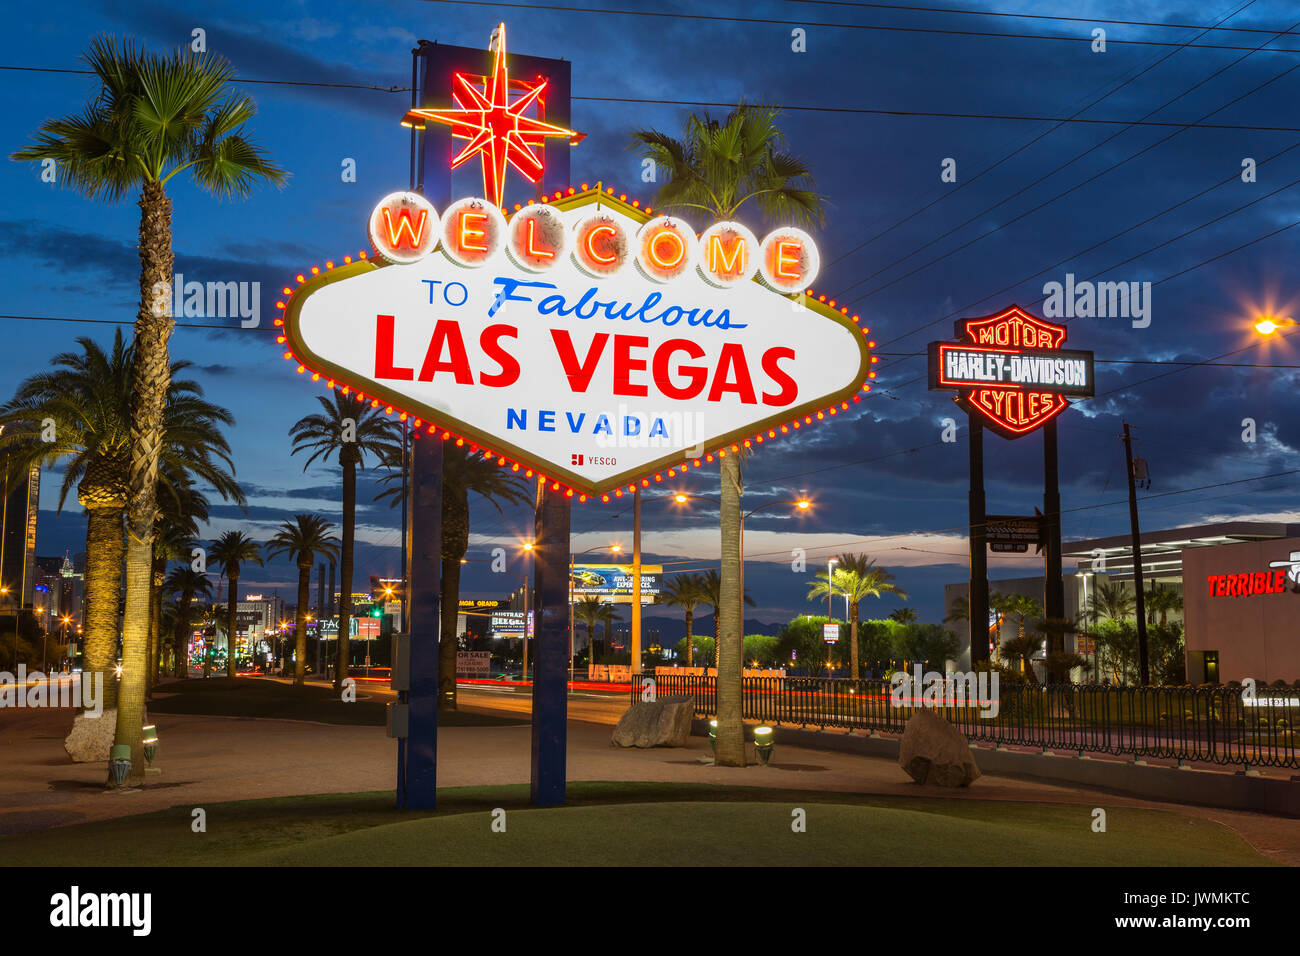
(1028, 212)
(1033, 16)
(242, 79)
(876, 27)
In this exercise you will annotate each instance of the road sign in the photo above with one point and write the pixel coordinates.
(830, 633)
(1014, 533)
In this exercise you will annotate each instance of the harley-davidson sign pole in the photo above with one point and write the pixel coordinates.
(1010, 372)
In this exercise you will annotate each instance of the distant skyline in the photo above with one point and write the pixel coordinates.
(1032, 202)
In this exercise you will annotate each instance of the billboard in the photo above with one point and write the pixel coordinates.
(614, 581)
(511, 624)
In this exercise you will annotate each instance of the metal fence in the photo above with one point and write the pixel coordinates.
(1212, 723)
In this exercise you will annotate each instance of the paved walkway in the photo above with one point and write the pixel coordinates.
(210, 759)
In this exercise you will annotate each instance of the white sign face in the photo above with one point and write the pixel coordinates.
(591, 381)
(830, 633)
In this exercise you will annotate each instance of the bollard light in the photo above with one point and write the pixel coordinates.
(150, 743)
(713, 735)
(119, 763)
(763, 743)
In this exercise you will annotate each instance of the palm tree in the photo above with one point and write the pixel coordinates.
(152, 118)
(354, 430)
(857, 576)
(906, 615)
(87, 397)
(181, 508)
(686, 591)
(303, 538)
(1021, 606)
(230, 552)
(187, 584)
(1161, 601)
(463, 471)
(715, 169)
(1112, 601)
(592, 611)
(711, 583)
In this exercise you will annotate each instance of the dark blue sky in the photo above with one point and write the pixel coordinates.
(882, 481)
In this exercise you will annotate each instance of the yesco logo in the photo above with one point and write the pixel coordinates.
(110, 910)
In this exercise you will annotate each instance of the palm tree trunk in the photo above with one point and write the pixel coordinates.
(155, 627)
(300, 626)
(232, 608)
(853, 638)
(455, 542)
(103, 586)
(729, 750)
(690, 639)
(180, 637)
(150, 380)
(345, 569)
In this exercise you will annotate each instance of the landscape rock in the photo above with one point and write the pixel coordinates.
(933, 751)
(91, 738)
(665, 722)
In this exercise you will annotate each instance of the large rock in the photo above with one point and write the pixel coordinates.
(934, 751)
(92, 737)
(665, 722)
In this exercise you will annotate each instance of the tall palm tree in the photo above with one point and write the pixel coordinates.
(302, 539)
(87, 397)
(1021, 607)
(354, 430)
(716, 168)
(186, 584)
(857, 576)
(231, 551)
(592, 611)
(153, 117)
(686, 591)
(463, 472)
(711, 583)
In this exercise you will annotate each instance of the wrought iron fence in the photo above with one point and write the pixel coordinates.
(1212, 724)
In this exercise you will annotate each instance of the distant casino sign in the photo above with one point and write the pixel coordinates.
(1010, 369)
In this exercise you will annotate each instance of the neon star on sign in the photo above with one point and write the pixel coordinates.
(498, 130)
(1010, 369)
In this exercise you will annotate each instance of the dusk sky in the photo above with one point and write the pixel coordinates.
(1034, 199)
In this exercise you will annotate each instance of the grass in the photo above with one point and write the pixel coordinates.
(250, 697)
(639, 824)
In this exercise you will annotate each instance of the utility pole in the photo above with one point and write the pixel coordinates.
(1144, 670)
(977, 602)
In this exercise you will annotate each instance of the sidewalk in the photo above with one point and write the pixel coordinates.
(209, 759)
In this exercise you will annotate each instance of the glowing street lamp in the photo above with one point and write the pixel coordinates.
(1269, 324)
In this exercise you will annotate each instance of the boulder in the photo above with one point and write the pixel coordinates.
(933, 751)
(92, 737)
(665, 722)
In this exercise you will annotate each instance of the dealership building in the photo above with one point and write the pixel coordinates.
(1239, 581)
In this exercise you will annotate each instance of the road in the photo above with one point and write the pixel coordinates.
(590, 706)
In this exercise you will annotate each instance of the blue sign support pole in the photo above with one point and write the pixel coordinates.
(551, 647)
(424, 564)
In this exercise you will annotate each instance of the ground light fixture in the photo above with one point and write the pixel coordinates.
(713, 736)
(119, 763)
(150, 745)
(763, 743)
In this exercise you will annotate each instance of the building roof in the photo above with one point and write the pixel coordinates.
(1162, 550)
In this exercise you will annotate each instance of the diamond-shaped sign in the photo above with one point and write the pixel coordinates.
(592, 377)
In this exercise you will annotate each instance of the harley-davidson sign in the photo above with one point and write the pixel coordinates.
(1011, 370)
(581, 338)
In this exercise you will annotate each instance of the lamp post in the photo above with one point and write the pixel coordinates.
(1268, 324)
(802, 504)
(615, 549)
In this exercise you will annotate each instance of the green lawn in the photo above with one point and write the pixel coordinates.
(639, 824)
(257, 697)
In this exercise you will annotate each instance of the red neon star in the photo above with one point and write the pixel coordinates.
(495, 127)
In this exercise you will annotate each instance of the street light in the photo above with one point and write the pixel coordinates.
(802, 504)
(1268, 324)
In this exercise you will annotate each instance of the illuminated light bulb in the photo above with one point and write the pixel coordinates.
(870, 375)
(279, 322)
(867, 388)
(697, 463)
(330, 383)
(735, 448)
(622, 197)
(347, 260)
(684, 466)
(279, 305)
(585, 187)
(288, 355)
(807, 419)
(279, 339)
(388, 410)
(796, 425)
(446, 435)
(708, 458)
(618, 493)
(604, 498)
(329, 264)
(571, 190)
(659, 477)
(831, 303)
(301, 278)
(287, 291)
(460, 443)
(636, 203)
(672, 473)
(834, 411)
(722, 453)
(515, 466)
(361, 254)
(581, 498)
(501, 462)
(315, 376)
(528, 473)
(759, 439)
(315, 270)
(820, 416)
(568, 493)
(555, 486)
